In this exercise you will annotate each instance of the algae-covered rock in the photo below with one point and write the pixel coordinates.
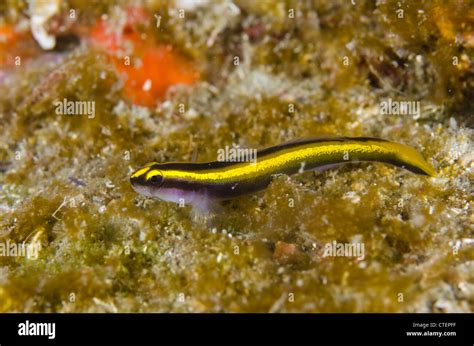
(263, 72)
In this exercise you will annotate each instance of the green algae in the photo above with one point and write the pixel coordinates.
(65, 185)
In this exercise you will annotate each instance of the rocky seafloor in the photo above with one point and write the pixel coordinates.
(268, 72)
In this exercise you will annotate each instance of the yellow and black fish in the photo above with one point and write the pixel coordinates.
(201, 183)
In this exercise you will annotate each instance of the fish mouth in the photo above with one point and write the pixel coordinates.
(142, 189)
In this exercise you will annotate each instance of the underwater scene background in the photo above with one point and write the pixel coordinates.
(92, 90)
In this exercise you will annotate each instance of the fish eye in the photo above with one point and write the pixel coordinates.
(156, 179)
